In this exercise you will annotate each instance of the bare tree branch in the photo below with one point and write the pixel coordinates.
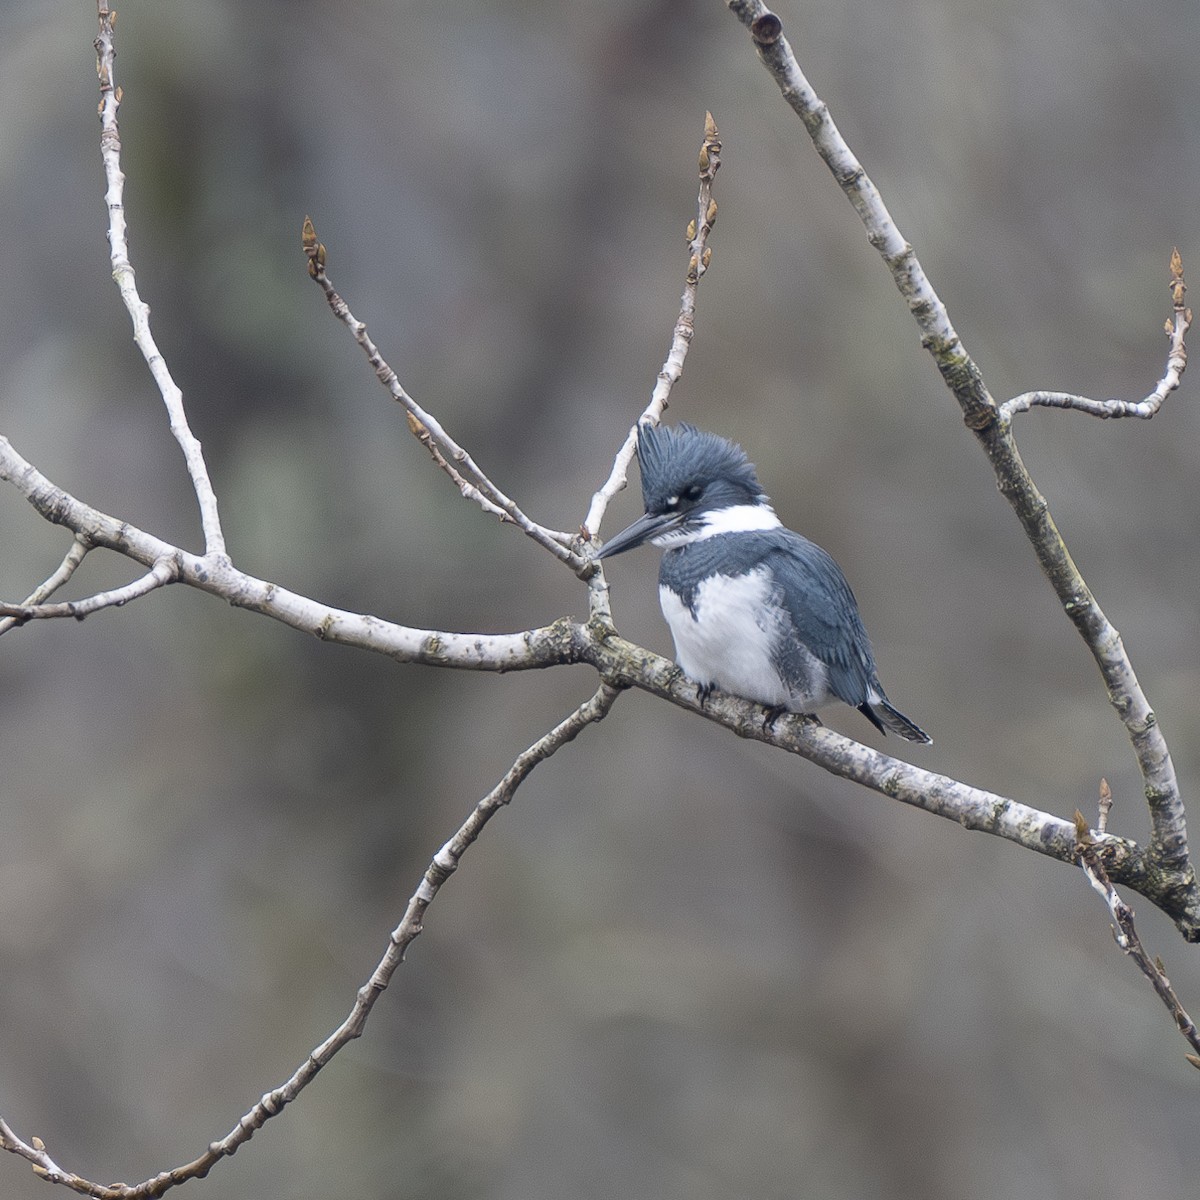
(1161, 872)
(1090, 851)
(699, 257)
(429, 430)
(123, 276)
(987, 421)
(35, 1151)
(74, 556)
(1176, 329)
(473, 651)
(445, 863)
(164, 571)
(621, 664)
(1129, 863)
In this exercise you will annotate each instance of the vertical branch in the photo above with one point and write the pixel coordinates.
(123, 276)
(699, 257)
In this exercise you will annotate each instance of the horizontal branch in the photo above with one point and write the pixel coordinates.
(620, 664)
(1176, 330)
(217, 575)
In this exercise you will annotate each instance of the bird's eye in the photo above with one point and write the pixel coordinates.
(692, 493)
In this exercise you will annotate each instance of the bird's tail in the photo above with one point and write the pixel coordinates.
(884, 715)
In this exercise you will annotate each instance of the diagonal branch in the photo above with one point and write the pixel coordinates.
(699, 257)
(994, 432)
(1031, 828)
(429, 430)
(123, 276)
(1090, 852)
(444, 864)
(71, 560)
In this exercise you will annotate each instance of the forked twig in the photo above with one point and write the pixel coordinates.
(165, 570)
(80, 546)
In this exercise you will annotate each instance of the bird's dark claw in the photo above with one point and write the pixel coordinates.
(770, 717)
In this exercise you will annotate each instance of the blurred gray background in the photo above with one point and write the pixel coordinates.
(680, 966)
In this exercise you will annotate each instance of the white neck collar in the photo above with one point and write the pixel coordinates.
(739, 518)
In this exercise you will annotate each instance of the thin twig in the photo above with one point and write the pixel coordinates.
(1106, 803)
(62, 573)
(699, 257)
(165, 570)
(1176, 330)
(444, 864)
(43, 1165)
(1090, 852)
(464, 485)
(123, 276)
(483, 492)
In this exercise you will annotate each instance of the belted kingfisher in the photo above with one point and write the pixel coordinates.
(754, 608)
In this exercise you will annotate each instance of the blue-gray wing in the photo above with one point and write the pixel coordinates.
(824, 613)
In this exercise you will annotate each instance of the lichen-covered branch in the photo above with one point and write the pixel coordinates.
(1129, 863)
(620, 664)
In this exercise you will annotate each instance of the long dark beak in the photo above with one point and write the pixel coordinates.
(647, 526)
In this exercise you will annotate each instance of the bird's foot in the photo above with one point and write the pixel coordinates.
(770, 717)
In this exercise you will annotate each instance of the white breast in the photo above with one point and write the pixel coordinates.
(731, 639)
